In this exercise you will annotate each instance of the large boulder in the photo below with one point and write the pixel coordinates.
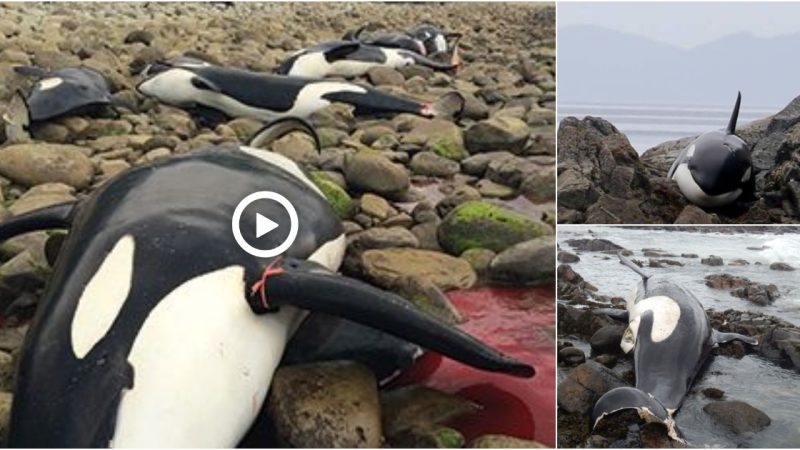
(372, 172)
(477, 224)
(497, 133)
(529, 262)
(389, 267)
(585, 385)
(738, 416)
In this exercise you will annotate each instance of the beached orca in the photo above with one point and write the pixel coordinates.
(715, 169)
(156, 329)
(671, 337)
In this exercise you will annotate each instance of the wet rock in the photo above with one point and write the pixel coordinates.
(571, 356)
(429, 163)
(460, 194)
(528, 262)
(384, 76)
(300, 148)
(387, 267)
(692, 215)
(593, 245)
(6, 398)
(477, 164)
(378, 237)
(139, 36)
(485, 225)
(713, 393)
(584, 386)
(761, 294)
(712, 261)
(42, 196)
(490, 189)
(32, 164)
(738, 416)
(567, 257)
(606, 360)
(439, 136)
(426, 234)
(371, 172)
(415, 407)
(497, 133)
(781, 267)
(328, 404)
(8, 370)
(502, 441)
(426, 436)
(725, 281)
(479, 259)
(337, 197)
(607, 339)
(376, 206)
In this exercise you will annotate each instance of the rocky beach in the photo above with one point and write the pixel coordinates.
(430, 206)
(743, 395)
(602, 179)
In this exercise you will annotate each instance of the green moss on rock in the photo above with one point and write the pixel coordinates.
(339, 199)
(449, 149)
(479, 224)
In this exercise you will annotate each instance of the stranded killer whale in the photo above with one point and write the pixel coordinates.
(715, 169)
(671, 337)
(353, 59)
(153, 312)
(242, 93)
(73, 90)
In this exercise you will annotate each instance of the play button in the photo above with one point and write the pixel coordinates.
(263, 224)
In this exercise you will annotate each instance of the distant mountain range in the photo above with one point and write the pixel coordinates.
(599, 65)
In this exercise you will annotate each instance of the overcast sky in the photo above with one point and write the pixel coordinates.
(685, 24)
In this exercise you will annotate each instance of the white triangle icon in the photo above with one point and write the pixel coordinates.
(264, 225)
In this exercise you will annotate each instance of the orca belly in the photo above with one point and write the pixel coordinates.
(203, 364)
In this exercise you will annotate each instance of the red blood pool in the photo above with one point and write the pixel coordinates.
(518, 322)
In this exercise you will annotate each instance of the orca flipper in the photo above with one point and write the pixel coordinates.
(30, 71)
(204, 84)
(310, 286)
(57, 216)
(614, 313)
(632, 265)
(322, 337)
(354, 35)
(718, 337)
(648, 407)
(281, 127)
(678, 161)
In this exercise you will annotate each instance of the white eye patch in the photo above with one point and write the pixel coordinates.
(49, 83)
(103, 297)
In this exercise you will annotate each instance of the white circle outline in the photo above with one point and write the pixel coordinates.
(237, 232)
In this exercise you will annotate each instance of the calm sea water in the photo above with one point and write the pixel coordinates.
(650, 125)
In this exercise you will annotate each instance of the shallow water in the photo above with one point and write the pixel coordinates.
(605, 272)
(649, 125)
(753, 379)
(518, 322)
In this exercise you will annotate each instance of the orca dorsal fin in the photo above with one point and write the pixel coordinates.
(56, 216)
(632, 265)
(204, 84)
(281, 127)
(735, 115)
(354, 35)
(341, 50)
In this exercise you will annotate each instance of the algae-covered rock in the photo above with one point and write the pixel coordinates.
(478, 224)
(338, 198)
(503, 441)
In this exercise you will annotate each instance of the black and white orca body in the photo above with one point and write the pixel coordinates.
(242, 93)
(352, 59)
(715, 169)
(154, 312)
(432, 38)
(73, 90)
(671, 337)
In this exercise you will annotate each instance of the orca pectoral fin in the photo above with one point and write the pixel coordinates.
(678, 161)
(309, 286)
(614, 313)
(648, 407)
(57, 216)
(354, 35)
(204, 84)
(281, 127)
(718, 337)
(341, 51)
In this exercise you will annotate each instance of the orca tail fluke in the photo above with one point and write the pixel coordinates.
(57, 216)
(632, 265)
(734, 115)
(310, 286)
(649, 409)
(281, 127)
